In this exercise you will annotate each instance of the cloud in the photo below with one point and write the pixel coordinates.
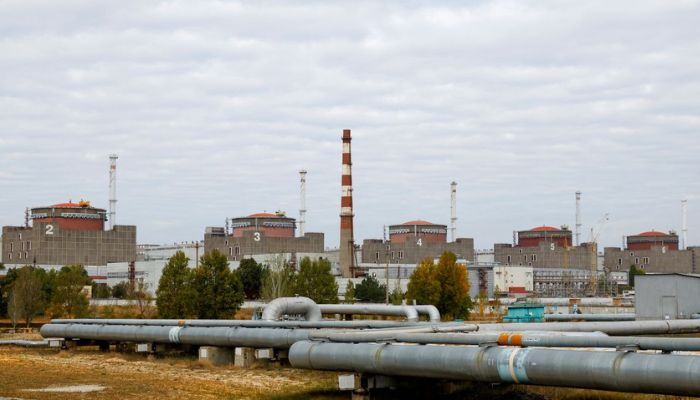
(214, 106)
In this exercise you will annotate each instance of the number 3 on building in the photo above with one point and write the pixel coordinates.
(256, 236)
(49, 229)
(420, 242)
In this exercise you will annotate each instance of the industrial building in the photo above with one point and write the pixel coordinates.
(67, 233)
(653, 251)
(667, 296)
(261, 233)
(413, 242)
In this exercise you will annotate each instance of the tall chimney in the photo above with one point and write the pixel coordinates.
(112, 190)
(302, 205)
(347, 243)
(453, 209)
(578, 218)
(684, 226)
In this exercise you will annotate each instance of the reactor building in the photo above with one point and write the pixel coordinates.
(261, 233)
(412, 242)
(653, 251)
(67, 233)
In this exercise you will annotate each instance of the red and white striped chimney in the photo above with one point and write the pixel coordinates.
(347, 243)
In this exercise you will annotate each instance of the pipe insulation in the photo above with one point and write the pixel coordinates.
(409, 312)
(590, 317)
(431, 311)
(604, 370)
(613, 328)
(281, 306)
(358, 324)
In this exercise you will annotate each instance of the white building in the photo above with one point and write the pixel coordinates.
(513, 276)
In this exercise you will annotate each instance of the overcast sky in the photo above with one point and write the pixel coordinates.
(214, 107)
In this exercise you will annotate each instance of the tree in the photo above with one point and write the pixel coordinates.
(26, 296)
(175, 293)
(445, 285)
(278, 280)
(350, 292)
(316, 281)
(370, 291)
(139, 293)
(120, 290)
(252, 276)
(68, 298)
(634, 270)
(100, 291)
(219, 290)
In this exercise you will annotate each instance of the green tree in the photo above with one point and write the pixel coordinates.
(316, 281)
(350, 292)
(445, 285)
(252, 276)
(120, 290)
(26, 297)
(219, 290)
(634, 270)
(370, 291)
(175, 293)
(68, 298)
(279, 278)
(396, 296)
(5, 283)
(100, 291)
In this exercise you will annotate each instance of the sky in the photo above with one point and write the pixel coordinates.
(214, 106)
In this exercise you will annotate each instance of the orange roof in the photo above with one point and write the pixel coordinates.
(417, 222)
(263, 215)
(544, 228)
(66, 205)
(652, 233)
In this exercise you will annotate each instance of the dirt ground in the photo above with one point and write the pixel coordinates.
(22, 371)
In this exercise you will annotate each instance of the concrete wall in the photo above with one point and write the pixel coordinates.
(512, 276)
(413, 251)
(666, 295)
(253, 243)
(51, 245)
(657, 259)
(546, 255)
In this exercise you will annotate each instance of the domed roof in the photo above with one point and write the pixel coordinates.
(264, 215)
(417, 222)
(70, 204)
(653, 233)
(544, 228)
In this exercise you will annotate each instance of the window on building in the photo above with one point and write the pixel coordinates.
(392, 255)
(29, 244)
(401, 254)
(533, 257)
(237, 250)
(9, 256)
(376, 256)
(22, 246)
(631, 254)
(19, 255)
(619, 261)
(530, 264)
(636, 261)
(26, 255)
(230, 251)
(227, 243)
(12, 246)
(508, 259)
(645, 260)
(20, 236)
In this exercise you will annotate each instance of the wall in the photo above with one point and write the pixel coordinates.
(546, 255)
(669, 261)
(413, 251)
(656, 296)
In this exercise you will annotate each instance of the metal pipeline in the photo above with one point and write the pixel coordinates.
(543, 339)
(590, 317)
(25, 343)
(605, 370)
(201, 336)
(358, 324)
(619, 328)
(291, 305)
(409, 312)
(431, 311)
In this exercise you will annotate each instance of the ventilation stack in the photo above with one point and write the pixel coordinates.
(578, 218)
(453, 209)
(684, 226)
(347, 243)
(112, 190)
(302, 207)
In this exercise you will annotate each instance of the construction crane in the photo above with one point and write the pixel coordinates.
(593, 244)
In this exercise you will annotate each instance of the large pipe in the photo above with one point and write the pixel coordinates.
(525, 339)
(617, 371)
(409, 312)
(324, 324)
(281, 306)
(590, 317)
(200, 336)
(614, 328)
(431, 311)
(25, 343)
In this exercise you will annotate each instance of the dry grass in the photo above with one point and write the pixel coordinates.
(134, 377)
